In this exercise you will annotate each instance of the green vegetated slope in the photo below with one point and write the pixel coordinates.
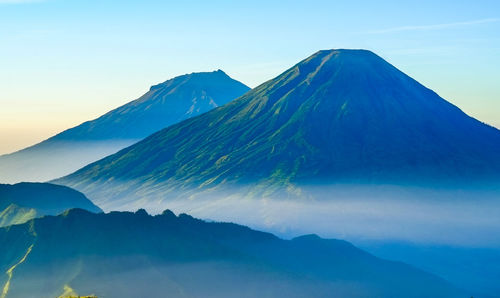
(124, 254)
(339, 116)
(23, 201)
(14, 214)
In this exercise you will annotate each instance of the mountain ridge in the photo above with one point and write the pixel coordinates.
(338, 116)
(164, 104)
(127, 253)
(24, 201)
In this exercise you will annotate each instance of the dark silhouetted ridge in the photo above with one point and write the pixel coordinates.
(126, 254)
(24, 201)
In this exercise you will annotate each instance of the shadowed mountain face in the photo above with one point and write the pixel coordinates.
(24, 201)
(134, 254)
(337, 117)
(164, 104)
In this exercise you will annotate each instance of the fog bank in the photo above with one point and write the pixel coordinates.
(443, 217)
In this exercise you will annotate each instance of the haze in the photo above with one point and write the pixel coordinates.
(465, 218)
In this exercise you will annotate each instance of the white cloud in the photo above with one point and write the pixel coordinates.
(434, 27)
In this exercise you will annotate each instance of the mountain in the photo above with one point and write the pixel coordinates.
(124, 254)
(22, 202)
(164, 104)
(337, 117)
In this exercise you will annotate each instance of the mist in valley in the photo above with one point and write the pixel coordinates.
(450, 232)
(390, 213)
(47, 161)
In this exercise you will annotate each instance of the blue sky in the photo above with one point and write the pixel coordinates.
(64, 62)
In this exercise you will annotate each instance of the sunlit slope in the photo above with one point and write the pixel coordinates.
(24, 201)
(339, 116)
(137, 255)
(164, 104)
(13, 215)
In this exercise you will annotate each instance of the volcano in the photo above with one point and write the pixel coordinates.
(337, 117)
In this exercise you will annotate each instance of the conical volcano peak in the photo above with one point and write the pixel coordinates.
(350, 55)
(357, 64)
(330, 81)
(345, 54)
(335, 66)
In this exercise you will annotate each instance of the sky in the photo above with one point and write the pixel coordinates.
(63, 62)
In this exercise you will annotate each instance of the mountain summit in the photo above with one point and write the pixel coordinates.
(339, 116)
(164, 104)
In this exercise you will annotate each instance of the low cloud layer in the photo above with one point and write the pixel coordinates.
(418, 216)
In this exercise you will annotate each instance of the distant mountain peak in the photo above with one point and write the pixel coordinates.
(164, 104)
(194, 76)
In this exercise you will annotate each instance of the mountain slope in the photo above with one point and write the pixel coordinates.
(24, 201)
(137, 255)
(164, 104)
(339, 116)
